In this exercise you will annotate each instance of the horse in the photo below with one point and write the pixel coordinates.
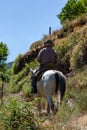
(52, 82)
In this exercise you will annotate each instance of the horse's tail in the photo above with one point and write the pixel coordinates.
(60, 83)
(57, 82)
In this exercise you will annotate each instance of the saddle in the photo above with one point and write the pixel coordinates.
(39, 74)
(46, 67)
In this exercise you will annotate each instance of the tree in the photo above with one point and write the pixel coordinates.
(4, 76)
(85, 2)
(72, 9)
(3, 56)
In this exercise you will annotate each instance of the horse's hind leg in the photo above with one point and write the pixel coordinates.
(58, 100)
(50, 104)
(48, 108)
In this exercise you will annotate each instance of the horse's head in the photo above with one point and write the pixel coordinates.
(32, 74)
(33, 81)
(31, 71)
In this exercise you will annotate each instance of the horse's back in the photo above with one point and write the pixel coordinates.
(47, 84)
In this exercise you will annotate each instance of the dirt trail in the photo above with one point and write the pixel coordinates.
(81, 122)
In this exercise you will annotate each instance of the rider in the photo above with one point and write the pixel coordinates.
(47, 58)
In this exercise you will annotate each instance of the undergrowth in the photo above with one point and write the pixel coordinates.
(16, 115)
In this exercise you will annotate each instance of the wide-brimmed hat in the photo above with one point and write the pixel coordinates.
(49, 43)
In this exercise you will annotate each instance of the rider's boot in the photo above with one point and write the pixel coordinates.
(34, 84)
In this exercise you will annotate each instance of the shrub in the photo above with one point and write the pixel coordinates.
(14, 69)
(76, 57)
(26, 89)
(36, 44)
(18, 116)
(78, 53)
(63, 57)
(72, 9)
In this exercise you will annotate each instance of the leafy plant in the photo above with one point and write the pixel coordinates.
(3, 52)
(26, 89)
(14, 69)
(72, 9)
(18, 116)
(78, 53)
(35, 45)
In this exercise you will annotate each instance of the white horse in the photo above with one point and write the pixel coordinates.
(51, 82)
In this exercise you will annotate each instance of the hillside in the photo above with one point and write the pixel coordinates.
(64, 39)
(71, 47)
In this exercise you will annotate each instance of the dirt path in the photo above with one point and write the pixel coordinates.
(80, 122)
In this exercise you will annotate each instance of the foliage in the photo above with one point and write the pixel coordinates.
(69, 26)
(77, 87)
(34, 64)
(79, 21)
(76, 57)
(3, 52)
(17, 81)
(72, 9)
(36, 44)
(3, 56)
(18, 116)
(4, 77)
(63, 56)
(78, 53)
(26, 89)
(14, 69)
(82, 19)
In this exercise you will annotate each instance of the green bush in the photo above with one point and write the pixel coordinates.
(26, 89)
(18, 116)
(63, 56)
(72, 9)
(14, 69)
(79, 49)
(36, 44)
(76, 57)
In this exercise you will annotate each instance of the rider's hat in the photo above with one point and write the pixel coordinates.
(49, 43)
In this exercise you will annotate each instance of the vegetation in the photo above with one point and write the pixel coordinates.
(72, 9)
(20, 113)
(3, 55)
(16, 115)
(35, 44)
(15, 64)
(4, 76)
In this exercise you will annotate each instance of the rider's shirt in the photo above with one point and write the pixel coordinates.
(47, 55)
